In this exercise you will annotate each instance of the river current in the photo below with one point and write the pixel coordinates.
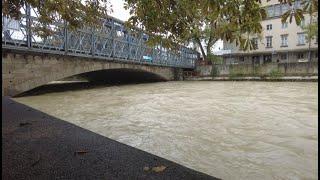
(230, 130)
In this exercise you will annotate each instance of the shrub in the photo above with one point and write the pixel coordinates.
(215, 59)
(235, 74)
(214, 71)
(274, 73)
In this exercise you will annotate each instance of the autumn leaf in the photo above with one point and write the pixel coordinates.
(156, 169)
(146, 168)
(80, 152)
(159, 168)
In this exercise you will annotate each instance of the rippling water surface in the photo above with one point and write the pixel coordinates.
(231, 130)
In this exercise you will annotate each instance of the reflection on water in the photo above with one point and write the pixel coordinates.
(231, 130)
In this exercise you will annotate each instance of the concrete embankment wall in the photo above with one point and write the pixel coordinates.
(270, 69)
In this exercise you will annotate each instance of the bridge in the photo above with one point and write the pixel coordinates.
(30, 61)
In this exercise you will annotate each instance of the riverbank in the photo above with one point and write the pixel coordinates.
(39, 146)
(301, 69)
(250, 78)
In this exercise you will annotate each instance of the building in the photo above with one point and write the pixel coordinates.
(279, 42)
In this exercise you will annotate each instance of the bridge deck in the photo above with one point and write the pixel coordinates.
(39, 146)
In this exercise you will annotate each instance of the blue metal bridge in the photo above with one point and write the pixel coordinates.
(110, 42)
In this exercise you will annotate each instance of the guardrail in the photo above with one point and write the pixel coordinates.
(110, 42)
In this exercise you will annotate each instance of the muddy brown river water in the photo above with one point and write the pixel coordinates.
(231, 130)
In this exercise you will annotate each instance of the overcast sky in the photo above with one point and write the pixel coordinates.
(118, 10)
(122, 14)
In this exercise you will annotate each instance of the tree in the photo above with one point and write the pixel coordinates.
(309, 7)
(200, 22)
(76, 13)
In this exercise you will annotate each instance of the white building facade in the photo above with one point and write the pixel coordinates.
(278, 42)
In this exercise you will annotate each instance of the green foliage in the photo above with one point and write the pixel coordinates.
(77, 13)
(257, 71)
(311, 31)
(235, 73)
(197, 22)
(308, 6)
(297, 14)
(275, 73)
(215, 59)
(203, 22)
(214, 71)
(169, 22)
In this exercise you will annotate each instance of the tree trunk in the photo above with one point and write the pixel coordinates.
(201, 48)
(211, 39)
(209, 45)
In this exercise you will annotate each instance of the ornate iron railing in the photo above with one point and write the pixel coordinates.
(111, 42)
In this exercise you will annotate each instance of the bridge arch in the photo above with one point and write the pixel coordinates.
(122, 75)
(25, 72)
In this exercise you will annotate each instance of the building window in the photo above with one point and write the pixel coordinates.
(284, 8)
(284, 40)
(301, 38)
(267, 58)
(241, 59)
(300, 55)
(283, 56)
(269, 41)
(316, 55)
(277, 10)
(256, 59)
(284, 25)
(297, 4)
(270, 11)
(255, 43)
(269, 27)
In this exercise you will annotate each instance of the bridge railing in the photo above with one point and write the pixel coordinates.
(111, 42)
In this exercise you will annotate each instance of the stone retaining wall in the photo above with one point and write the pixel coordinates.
(281, 69)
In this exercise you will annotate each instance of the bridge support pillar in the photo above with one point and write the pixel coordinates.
(178, 74)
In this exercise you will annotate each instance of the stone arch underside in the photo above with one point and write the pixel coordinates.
(25, 72)
(122, 76)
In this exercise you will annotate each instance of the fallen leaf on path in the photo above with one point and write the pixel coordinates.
(159, 168)
(80, 152)
(146, 168)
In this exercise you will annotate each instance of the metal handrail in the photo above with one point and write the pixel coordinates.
(112, 42)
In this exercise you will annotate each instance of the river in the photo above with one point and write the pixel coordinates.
(230, 130)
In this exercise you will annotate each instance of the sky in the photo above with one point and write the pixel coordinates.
(118, 10)
(120, 13)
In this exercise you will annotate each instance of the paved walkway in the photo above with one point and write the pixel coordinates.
(38, 146)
